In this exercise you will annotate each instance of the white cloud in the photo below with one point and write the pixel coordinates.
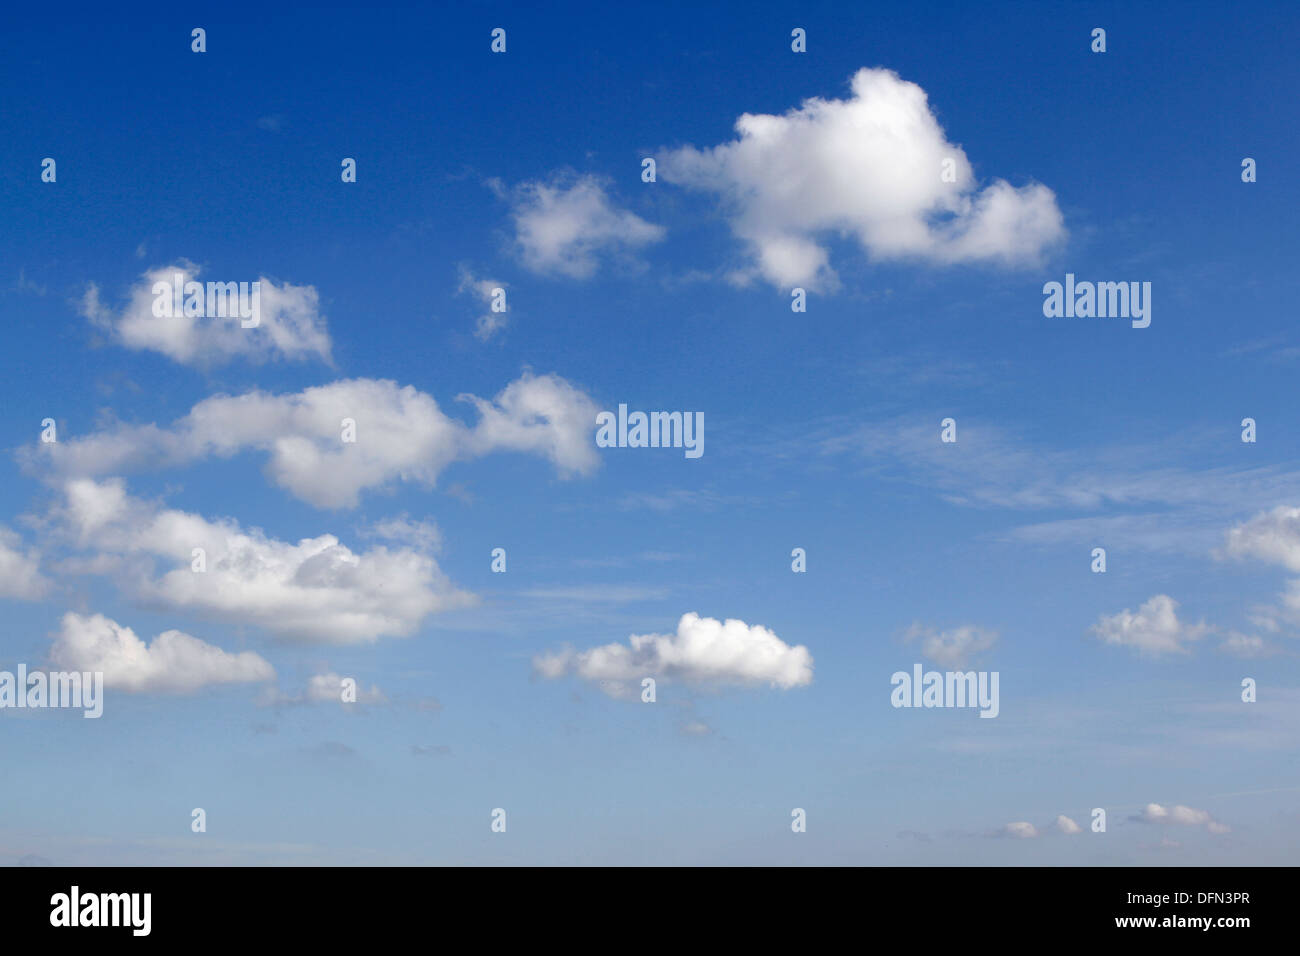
(317, 590)
(553, 666)
(290, 325)
(1020, 831)
(1182, 816)
(702, 651)
(1152, 631)
(567, 227)
(401, 435)
(422, 535)
(539, 414)
(1273, 536)
(174, 663)
(1067, 826)
(992, 467)
(20, 575)
(868, 166)
(489, 322)
(951, 648)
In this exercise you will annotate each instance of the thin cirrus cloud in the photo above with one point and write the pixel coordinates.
(174, 662)
(289, 327)
(315, 591)
(401, 435)
(703, 651)
(569, 226)
(994, 467)
(1152, 496)
(869, 166)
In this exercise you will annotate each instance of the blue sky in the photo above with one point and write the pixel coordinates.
(523, 171)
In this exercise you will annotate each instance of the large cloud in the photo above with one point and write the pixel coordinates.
(317, 590)
(869, 166)
(174, 663)
(400, 435)
(289, 324)
(566, 227)
(704, 651)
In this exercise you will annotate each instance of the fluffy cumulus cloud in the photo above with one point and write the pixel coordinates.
(538, 415)
(1273, 536)
(1153, 630)
(951, 648)
(1067, 826)
(869, 166)
(173, 662)
(400, 434)
(567, 227)
(1020, 831)
(703, 651)
(20, 574)
(316, 590)
(1181, 816)
(289, 323)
